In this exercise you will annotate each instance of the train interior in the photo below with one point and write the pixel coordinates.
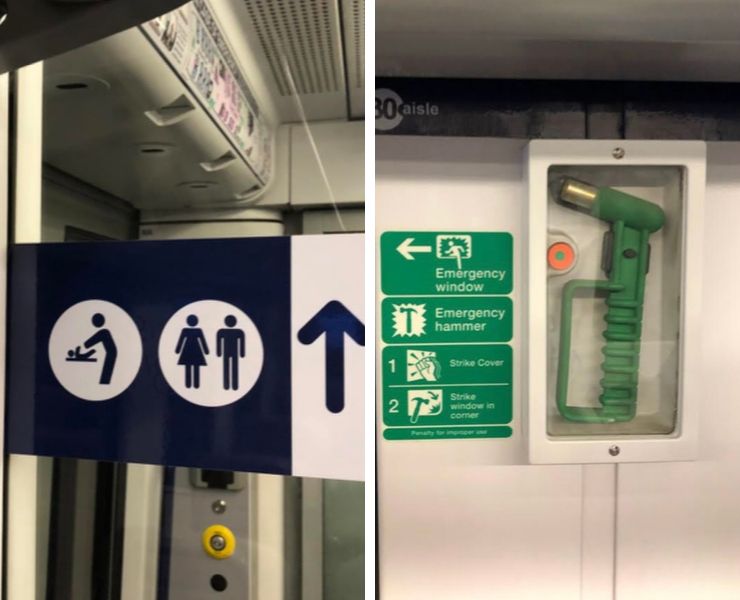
(223, 118)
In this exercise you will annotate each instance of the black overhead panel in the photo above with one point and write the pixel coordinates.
(39, 29)
(532, 109)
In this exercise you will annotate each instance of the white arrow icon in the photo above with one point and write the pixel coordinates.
(406, 250)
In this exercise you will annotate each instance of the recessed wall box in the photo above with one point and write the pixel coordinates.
(614, 293)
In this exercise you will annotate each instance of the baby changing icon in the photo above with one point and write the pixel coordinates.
(101, 338)
(210, 353)
(95, 350)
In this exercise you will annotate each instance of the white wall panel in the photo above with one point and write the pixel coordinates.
(678, 524)
(476, 533)
(62, 207)
(332, 170)
(470, 519)
(28, 477)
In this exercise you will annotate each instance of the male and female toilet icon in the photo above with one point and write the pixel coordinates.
(192, 349)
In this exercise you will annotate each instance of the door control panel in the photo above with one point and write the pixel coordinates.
(209, 528)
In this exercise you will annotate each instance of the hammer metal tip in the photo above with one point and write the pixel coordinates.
(578, 193)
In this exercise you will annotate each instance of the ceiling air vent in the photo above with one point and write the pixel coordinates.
(304, 37)
(353, 13)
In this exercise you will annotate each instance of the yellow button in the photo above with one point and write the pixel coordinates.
(218, 541)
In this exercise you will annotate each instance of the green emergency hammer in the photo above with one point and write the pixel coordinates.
(625, 260)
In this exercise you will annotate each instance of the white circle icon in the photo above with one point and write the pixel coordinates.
(210, 353)
(388, 106)
(95, 350)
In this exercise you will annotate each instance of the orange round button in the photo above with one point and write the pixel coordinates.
(560, 256)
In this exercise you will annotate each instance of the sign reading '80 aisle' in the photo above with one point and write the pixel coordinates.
(227, 354)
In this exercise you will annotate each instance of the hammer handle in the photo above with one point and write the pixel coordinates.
(625, 292)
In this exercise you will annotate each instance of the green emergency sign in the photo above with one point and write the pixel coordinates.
(435, 319)
(471, 263)
(447, 368)
(447, 385)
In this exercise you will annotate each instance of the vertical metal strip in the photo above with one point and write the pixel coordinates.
(268, 527)
(165, 534)
(312, 539)
(293, 543)
(4, 211)
(141, 541)
(598, 489)
(23, 477)
(62, 523)
(109, 524)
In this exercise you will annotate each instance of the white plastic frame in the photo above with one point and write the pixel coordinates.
(681, 445)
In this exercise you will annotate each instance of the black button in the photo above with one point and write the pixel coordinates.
(219, 583)
(629, 253)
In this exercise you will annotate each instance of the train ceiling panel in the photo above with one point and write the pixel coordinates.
(353, 15)
(630, 39)
(119, 116)
(301, 45)
(125, 116)
(314, 53)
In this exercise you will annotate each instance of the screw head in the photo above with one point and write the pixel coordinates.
(614, 450)
(219, 507)
(618, 153)
(217, 542)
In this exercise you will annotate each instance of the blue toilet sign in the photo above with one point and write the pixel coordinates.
(238, 354)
